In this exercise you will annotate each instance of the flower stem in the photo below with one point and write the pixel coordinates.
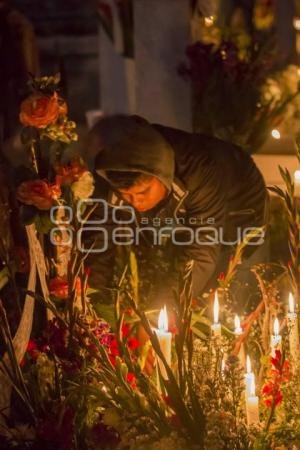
(33, 157)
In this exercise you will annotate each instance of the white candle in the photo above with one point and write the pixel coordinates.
(276, 339)
(293, 331)
(216, 326)
(165, 340)
(237, 324)
(238, 331)
(249, 377)
(252, 406)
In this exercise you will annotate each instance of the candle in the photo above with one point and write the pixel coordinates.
(216, 326)
(249, 377)
(237, 324)
(252, 406)
(276, 338)
(293, 331)
(165, 340)
(238, 331)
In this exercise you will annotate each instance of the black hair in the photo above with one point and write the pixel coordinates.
(126, 179)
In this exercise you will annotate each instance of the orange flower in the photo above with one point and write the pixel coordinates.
(59, 287)
(40, 110)
(67, 175)
(38, 193)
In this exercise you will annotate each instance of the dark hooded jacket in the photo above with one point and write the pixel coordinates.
(211, 185)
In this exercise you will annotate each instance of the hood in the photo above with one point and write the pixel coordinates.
(132, 144)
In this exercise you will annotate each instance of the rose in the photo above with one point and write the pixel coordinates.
(84, 187)
(67, 175)
(38, 193)
(40, 110)
(59, 287)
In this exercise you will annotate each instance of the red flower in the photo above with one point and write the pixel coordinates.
(133, 343)
(131, 379)
(267, 389)
(32, 349)
(221, 277)
(278, 375)
(59, 287)
(38, 193)
(125, 330)
(67, 175)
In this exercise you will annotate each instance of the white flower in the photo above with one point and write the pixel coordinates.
(84, 187)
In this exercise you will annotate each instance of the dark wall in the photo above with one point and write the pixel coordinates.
(67, 33)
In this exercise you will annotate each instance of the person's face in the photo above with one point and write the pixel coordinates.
(145, 195)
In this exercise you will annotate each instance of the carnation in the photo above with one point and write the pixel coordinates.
(38, 193)
(84, 187)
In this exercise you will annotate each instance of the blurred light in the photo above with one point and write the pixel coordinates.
(248, 364)
(276, 134)
(297, 176)
(209, 21)
(296, 23)
(276, 327)
(291, 297)
(298, 72)
(216, 308)
(252, 387)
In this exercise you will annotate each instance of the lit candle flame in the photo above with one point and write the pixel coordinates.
(237, 322)
(248, 364)
(291, 303)
(163, 320)
(296, 23)
(276, 327)
(252, 387)
(276, 134)
(216, 308)
(297, 173)
(209, 21)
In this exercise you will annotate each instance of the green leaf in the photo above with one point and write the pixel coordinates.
(106, 312)
(4, 277)
(134, 277)
(43, 223)
(28, 214)
(199, 333)
(143, 355)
